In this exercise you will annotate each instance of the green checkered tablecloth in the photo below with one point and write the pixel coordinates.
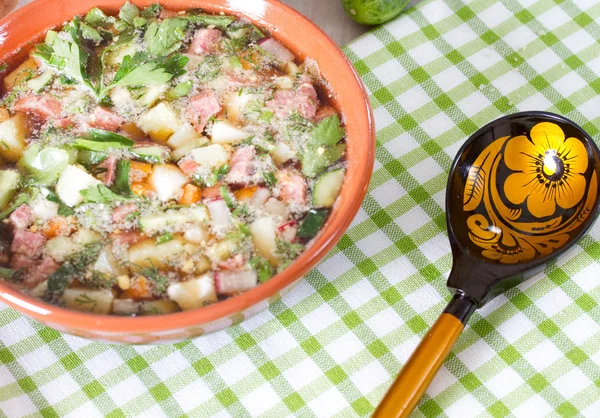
(332, 345)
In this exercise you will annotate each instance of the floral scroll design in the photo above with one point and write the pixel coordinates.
(530, 212)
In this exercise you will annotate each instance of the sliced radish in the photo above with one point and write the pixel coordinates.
(71, 182)
(279, 51)
(232, 282)
(288, 231)
(220, 215)
(167, 180)
(193, 293)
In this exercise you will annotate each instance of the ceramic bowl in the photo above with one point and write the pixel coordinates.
(28, 25)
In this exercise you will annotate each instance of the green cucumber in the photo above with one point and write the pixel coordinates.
(312, 223)
(152, 155)
(9, 184)
(327, 188)
(316, 160)
(37, 84)
(87, 157)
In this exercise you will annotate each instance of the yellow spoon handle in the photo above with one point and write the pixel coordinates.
(420, 369)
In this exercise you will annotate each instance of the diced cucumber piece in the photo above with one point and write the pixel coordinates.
(87, 157)
(180, 90)
(95, 17)
(9, 184)
(316, 160)
(51, 36)
(44, 165)
(173, 220)
(37, 84)
(152, 155)
(327, 188)
(312, 223)
(158, 307)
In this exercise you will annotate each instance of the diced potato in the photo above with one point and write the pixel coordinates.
(193, 293)
(151, 95)
(89, 300)
(223, 132)
(202, 265)
(291, 68)
(147, 253)
(211, 156)
(12, 137)
(108, 264)
(9, 184)
(124, 281)
(276, 207)
(184, 134)
(44, 209)
(167, 180)
(282, 153)
(19, 74)
(222, 250)
(86, 236)
(121, 97)
(284, 83)
(72, 180)
(158, 307)
(116, 57)
(40, 290)
(263, 236)
(125, 307)
(61, 247)
(159, 122)
(237, 104)
(180, 220)
(196, 234)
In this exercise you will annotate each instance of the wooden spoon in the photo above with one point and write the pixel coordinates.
(521, 190)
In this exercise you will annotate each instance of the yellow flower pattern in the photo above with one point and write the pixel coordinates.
(548, 170)
(544, 195)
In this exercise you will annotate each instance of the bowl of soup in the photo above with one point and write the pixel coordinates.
(169, 170)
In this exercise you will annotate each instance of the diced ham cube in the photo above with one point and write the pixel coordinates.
(21, 262)
(22, 217)
(242, 167)
(282, 103)
(40, 272)
(43, 107)
(202, 107)
(110, 164)
(65, 123)
(189, 167)
(120, 213)
(205, 41)
(292, 187)
(306, 101)
(105, 119)
(212, 192)
(27, 243)
(166, 13)
(323, 112)
(236, 281)
(126, 238)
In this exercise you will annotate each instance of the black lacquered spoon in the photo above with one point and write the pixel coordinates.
(521, 190)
